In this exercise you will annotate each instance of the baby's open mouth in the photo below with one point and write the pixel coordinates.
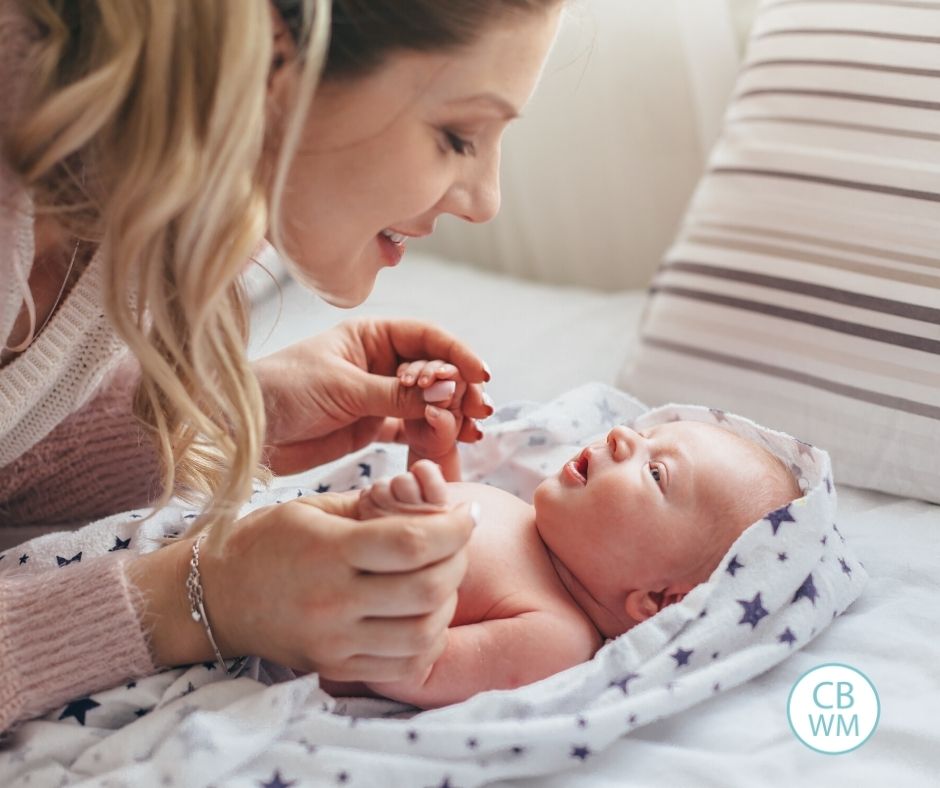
(578, 467)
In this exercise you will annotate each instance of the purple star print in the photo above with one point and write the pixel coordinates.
(754, 611)
(807, 589)
(781, 515)
(733, 565)
(622, 683)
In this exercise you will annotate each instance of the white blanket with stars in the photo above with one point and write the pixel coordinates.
(780, 584)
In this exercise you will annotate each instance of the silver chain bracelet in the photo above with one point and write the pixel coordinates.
(198, 608)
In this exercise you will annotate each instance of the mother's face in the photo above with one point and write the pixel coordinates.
(389, 152)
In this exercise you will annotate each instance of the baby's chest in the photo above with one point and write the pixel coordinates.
(509, 571)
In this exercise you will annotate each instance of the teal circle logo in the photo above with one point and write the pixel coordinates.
(833, 708)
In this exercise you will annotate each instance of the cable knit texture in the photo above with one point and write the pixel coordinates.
(62, 368)
(70, 450)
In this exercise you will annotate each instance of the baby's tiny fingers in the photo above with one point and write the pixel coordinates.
(431, 479)
(408, 371)
(380, 495)
(436, 369)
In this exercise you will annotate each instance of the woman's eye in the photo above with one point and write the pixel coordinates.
(461, 146)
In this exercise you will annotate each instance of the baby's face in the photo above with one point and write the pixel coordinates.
(645, 508)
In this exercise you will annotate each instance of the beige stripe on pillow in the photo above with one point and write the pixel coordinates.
(803, 290)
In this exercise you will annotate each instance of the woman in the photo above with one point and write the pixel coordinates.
(148, 148)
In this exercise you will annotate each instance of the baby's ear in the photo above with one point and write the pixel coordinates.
(641, 605)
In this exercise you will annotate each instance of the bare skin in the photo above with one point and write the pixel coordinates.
(629, 526)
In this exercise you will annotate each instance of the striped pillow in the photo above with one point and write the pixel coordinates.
(803, 290)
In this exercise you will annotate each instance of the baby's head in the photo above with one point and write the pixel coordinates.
(633, 524)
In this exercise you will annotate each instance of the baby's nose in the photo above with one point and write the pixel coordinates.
(622, 441)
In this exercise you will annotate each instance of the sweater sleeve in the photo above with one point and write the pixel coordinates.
(65, 633)
(95, 463)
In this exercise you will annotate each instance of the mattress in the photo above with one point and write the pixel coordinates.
(541, 341)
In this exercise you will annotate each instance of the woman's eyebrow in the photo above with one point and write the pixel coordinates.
(507, 110)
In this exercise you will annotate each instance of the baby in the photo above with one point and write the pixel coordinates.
(626, 527)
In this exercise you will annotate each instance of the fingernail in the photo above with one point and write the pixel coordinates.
(408, 380)
(488, 402)
(441, 390)
(448, 369)
(475, 513)
(478, 430)
(486, 371)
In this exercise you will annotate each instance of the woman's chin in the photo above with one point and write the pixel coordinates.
(347, 297)
(341, 301)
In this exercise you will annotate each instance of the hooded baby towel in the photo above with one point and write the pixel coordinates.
(781, 582)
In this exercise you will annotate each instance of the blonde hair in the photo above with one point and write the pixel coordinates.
(147, 135)
(144, 134)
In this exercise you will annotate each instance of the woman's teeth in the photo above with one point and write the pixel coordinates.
(396, 238)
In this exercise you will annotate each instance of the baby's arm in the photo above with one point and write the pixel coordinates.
(502, 653)
(435, 436)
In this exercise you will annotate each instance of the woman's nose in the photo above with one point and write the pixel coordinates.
(475, 197)
(623, 442)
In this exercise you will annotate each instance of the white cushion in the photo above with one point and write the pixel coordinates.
(804, 287)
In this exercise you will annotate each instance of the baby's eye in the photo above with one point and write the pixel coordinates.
(657, 476)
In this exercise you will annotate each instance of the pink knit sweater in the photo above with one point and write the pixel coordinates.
(75, 630)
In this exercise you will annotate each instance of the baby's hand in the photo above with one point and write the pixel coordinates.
(434, 436)
(421, 489)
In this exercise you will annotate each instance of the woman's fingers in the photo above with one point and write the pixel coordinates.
(406, 636)
(475, 403)
(403, 543)
(470, 432)
(364, 667)
(416, 593)
(412, 339)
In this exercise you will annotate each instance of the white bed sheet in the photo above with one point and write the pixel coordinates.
(541, 341)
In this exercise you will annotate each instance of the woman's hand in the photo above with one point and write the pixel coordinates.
(337, 392)
(306, 586)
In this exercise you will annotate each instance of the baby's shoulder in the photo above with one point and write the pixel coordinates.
(506, 524)
(492, 500)
(510, 572)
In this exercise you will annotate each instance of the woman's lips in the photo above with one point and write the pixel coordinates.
(391, 251)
